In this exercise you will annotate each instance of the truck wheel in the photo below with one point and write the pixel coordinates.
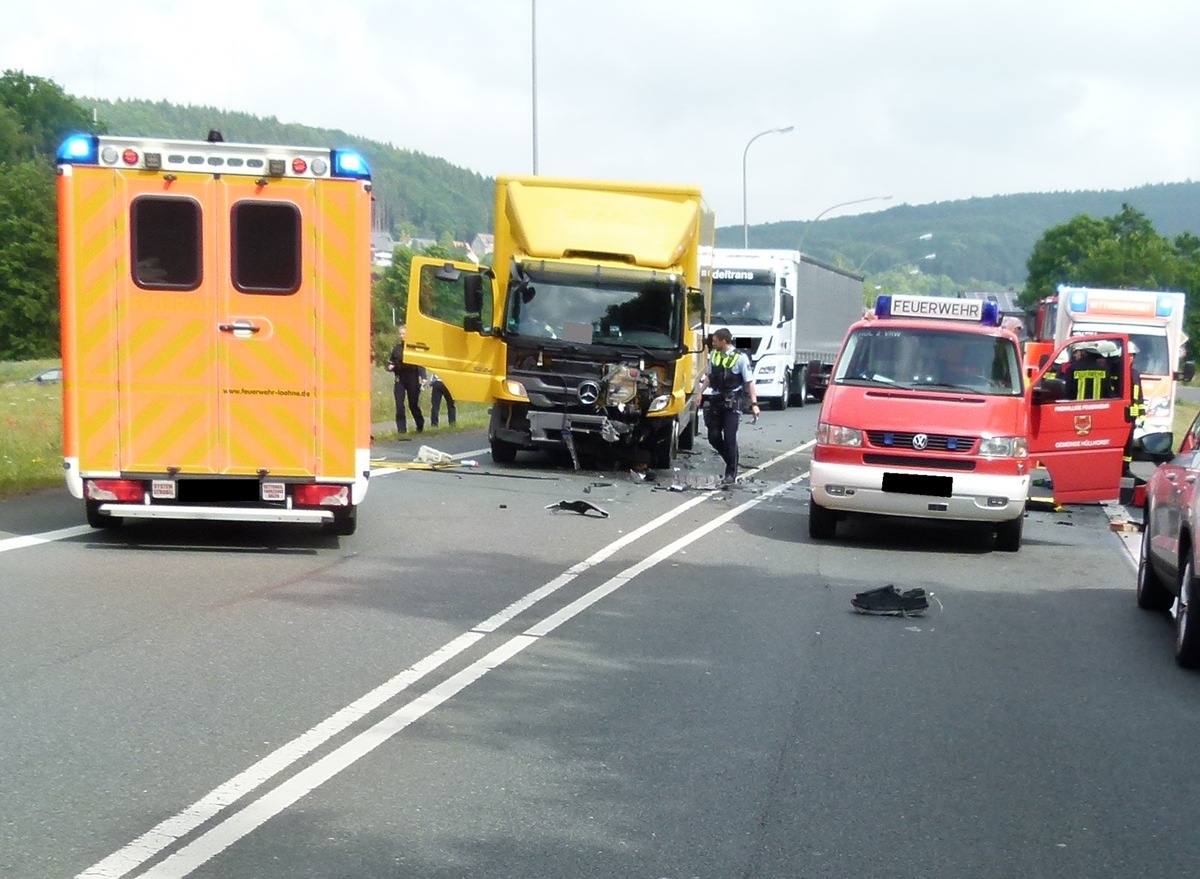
(802, 391)
(782, 403)
(662, 453)
(502, 452)
(1187, 619)
(100, 520)
(1152, 592)
(345, 522)
(822, 523)
(687, 436)
(1008, 534)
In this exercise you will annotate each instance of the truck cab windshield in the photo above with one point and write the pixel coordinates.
(743, 304)
(592, 309)
(920, 359)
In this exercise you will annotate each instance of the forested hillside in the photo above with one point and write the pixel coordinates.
(420, 194)
(985, 239)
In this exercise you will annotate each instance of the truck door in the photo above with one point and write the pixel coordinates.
(1079, 424)
(167, 411)
(264, 331)
(451, 332)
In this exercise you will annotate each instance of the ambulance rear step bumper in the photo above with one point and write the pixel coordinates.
(219, 514)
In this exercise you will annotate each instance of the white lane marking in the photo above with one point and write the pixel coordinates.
(253, 816)
(136, 853)
(28, 540)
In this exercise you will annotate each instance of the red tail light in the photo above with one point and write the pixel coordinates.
(124, 491)
(322, 495)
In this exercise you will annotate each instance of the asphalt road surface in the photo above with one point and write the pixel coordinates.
(476, 685)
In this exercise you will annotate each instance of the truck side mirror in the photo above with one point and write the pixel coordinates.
(473, 294)
(1188, 373)
(787, 306)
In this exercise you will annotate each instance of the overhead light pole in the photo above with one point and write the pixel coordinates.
(928, 236)
(533, 76)
(745, 221)
(834, 207)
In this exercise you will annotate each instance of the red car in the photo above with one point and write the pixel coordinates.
(1170, 556)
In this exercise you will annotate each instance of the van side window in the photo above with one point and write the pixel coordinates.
(266, 247)
(165, 240)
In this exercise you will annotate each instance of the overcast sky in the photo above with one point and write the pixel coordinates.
(922, 100)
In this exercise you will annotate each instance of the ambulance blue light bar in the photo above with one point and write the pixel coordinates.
(347, 163)
(938, 308)
(1165, 306)
(1077, 301)
(80, 149)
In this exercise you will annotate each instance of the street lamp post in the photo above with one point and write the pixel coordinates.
(745, 221)
(834, 207)
(928, 236)
(533, 76)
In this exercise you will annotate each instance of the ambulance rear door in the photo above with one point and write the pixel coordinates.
(166, 284)
(264, 330)
(1078, 429)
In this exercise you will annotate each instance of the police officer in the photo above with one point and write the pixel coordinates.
(409, 380)
(726, 383)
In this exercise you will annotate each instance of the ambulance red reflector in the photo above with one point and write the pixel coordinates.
(299, 166)
(129, 157)
(322, 496)
(124, 491)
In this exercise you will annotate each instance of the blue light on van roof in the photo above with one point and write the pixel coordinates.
(1077, 301)
(1165, 306)
(80, 149)
(347, 163)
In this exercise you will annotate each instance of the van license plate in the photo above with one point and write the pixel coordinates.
(919, 483)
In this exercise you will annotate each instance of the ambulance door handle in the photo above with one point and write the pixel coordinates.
(241, 326)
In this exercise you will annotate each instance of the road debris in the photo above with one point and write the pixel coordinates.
(890, 601)
(580, 507)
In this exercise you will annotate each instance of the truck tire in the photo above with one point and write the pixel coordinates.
(503, 452)
(662, 453)
(782, 403)
(822, 522)
(345, 522)
(687, 436)
(100, 520)
(1008, 534)
(802, 391)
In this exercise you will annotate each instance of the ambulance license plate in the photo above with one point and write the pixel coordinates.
(918, 483)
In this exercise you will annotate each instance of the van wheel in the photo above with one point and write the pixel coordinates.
(1008, 534)
(100, 520)
(822, 522)
(345, 522)
(502, 452)
(1152, 592)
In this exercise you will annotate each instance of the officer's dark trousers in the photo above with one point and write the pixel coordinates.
(408, 386)
(722, 424)
(440, 392)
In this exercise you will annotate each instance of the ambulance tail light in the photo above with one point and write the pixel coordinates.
(313, 495)
(80, 149)
(1004, 447)
(123, 491)
(835, 435)
(347, 163)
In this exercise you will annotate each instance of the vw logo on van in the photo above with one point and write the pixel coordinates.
(920, 441)
(589, 392)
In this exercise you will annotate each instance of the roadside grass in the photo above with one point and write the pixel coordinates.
(31, 423)
(1185, 414)
(30, 428)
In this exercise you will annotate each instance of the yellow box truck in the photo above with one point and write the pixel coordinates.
(215, 330)
(588, 331)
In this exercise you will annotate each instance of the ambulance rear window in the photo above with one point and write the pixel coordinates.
(266, 247)
(165, 240)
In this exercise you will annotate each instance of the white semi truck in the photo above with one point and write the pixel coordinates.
(788, 312)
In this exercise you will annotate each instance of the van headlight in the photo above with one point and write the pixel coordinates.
(1004, 447)
(836, 435)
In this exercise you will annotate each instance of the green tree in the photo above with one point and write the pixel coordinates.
(47, 113)
(28, 262)
(1058, 255)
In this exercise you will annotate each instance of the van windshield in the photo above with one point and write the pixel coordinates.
(930, 359)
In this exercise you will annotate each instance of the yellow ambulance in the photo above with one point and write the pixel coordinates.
(215, 303)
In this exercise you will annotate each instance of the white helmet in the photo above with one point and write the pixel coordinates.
(1133, 348)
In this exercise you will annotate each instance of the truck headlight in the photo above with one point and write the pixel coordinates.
(836, 435)
(1004, 447)
(661, 402)
(515, 389)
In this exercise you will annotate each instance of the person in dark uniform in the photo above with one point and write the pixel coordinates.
(438, 392)
(409, 380)
(727, 382)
